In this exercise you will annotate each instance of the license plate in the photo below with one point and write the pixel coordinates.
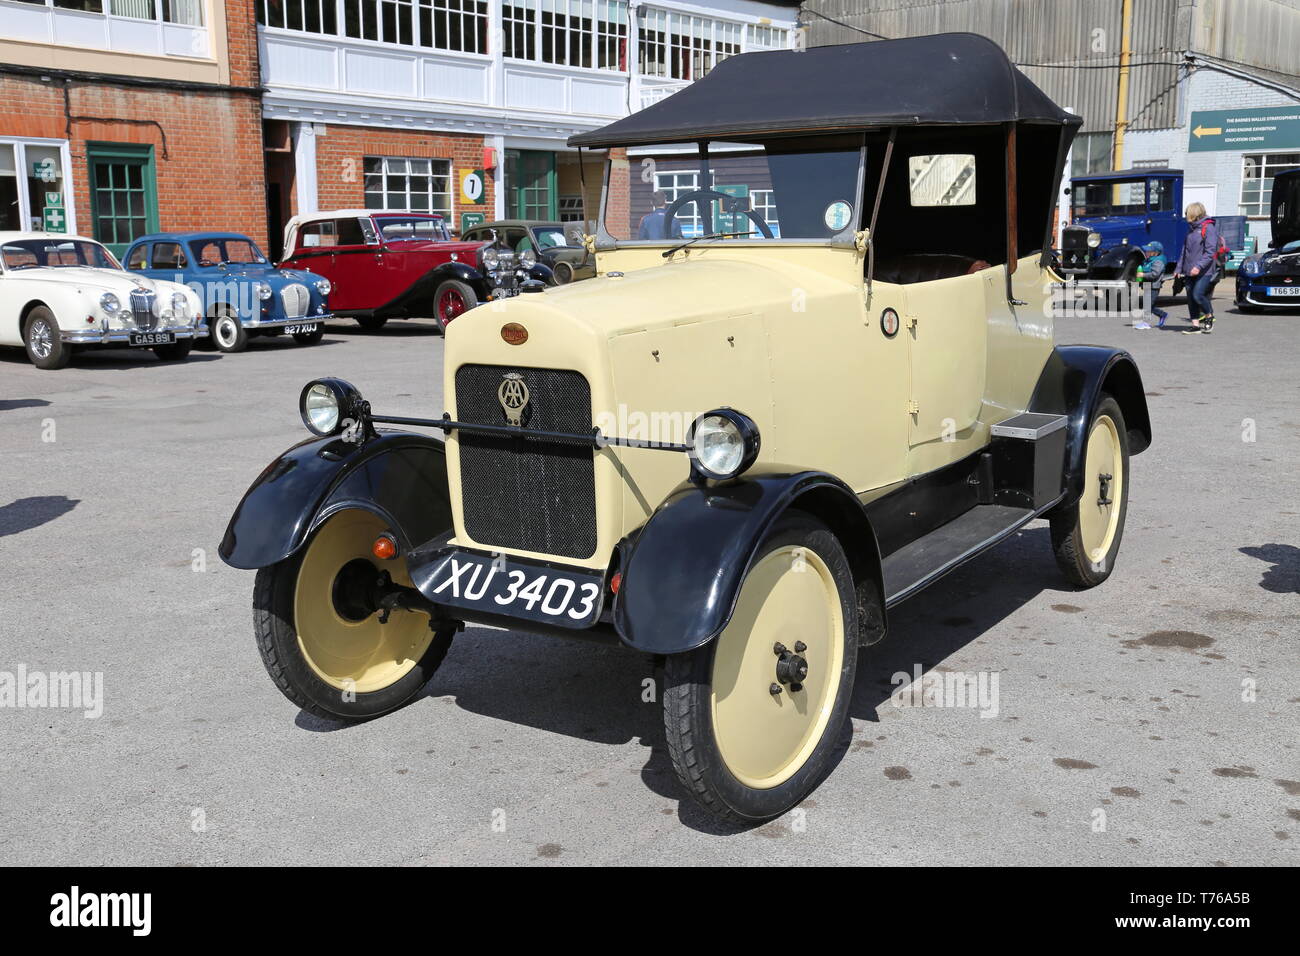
(510, 587)
(1284, 290)
(153, 338)
(301, 329)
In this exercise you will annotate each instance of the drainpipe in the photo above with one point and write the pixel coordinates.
(1121, 103)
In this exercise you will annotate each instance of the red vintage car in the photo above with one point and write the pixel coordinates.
(394, 265)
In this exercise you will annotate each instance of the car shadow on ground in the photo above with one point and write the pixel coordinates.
(599, 693)
(110, 358)
(27, 513)
(395, 328)
(9, 404)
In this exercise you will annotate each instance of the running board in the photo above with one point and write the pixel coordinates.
(925, 560)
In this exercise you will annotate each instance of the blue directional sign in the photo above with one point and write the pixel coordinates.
(1271, 127)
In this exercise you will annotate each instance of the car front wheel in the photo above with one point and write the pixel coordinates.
(45, 346)
(452, 300)
(176, 352)
(228, 333)
(1086, 535)
(322, 640)
(372, 324)
(308, 338)
(753, 718)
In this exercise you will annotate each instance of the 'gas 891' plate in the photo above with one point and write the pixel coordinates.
(511, 587)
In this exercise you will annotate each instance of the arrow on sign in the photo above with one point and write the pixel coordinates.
(1207, 131)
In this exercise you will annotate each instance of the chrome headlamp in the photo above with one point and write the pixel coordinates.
(110, 303)
(329, 405)
(1253, 266)
(263, 290)
(491, 259)
(324, 286)
(1094, 240)
(180, 305)
(528, 258)
(723, 443)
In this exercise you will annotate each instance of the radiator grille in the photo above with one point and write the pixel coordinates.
(142, 313)
(528, 493)
(296, 298)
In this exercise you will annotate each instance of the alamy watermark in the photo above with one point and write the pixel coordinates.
(67, 690)
(947, 689)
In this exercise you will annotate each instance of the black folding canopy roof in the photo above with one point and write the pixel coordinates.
(946, 79)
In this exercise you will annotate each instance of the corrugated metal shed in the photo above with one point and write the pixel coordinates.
(1071, 50)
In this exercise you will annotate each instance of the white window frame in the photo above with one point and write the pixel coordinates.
(386, 194)
(675, 184)
(1266, 171)
(608, 24)
(20, 167)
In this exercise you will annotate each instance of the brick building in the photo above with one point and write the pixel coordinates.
(121, 117)
(393, 103)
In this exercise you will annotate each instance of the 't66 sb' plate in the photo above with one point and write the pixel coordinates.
(563, 597)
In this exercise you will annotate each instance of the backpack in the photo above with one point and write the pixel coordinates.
(1222, 253)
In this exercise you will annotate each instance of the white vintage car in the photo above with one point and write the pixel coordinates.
(59, 293)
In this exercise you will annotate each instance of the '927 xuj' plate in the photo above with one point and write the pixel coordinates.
(511, 587)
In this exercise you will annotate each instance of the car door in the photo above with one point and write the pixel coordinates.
(356, 268)
(1164, 214)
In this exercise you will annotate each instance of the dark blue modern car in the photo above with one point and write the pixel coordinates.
(1271, 280)
(243, 294)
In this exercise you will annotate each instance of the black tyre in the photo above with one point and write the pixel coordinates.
(452, 300)
(1086, 535)
(308, 338)
(178, 351)
(327, 654)
(753, 719)
(227, 332)
(45, 346)
(563, 273)
(371, 324)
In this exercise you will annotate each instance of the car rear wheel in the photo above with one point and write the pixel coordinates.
(228, 333)
(753, 718)
(1087, 534)
(308, 338)
(324, 645)
(452, 300)
(563, 273)
(44, 342)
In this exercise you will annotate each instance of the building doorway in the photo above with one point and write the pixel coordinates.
(530, 185)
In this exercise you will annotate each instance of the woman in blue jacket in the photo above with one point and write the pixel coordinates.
(1198, 268)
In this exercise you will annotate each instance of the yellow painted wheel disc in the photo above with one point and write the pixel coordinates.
(789, 596)
(365, 655)
(1099, 507)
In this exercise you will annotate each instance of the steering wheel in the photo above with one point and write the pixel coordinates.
(698, 195)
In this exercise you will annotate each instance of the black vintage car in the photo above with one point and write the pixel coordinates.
(557, 244)
(1271, 280)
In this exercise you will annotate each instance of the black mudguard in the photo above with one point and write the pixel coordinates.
(400, 476)
(1072, 383)
(1111, 263)
(682, 570)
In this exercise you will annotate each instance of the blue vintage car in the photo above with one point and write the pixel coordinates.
(1114, 215)
(243, 294)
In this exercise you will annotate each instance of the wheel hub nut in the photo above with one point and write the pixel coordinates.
(792, 669)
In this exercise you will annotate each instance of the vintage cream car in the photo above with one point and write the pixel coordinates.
(59, 293)
(826, 378)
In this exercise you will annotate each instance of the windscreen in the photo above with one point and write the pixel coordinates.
(31, 253)
(770, 191)
(1125, 197)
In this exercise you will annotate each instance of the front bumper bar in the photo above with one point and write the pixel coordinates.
(94, 336)
(280, 323)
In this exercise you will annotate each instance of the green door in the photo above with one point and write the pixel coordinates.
(530, 185)
(123, 193)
